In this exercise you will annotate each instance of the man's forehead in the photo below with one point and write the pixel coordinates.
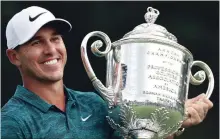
(45, 31)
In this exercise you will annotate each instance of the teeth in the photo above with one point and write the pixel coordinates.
(51, 62)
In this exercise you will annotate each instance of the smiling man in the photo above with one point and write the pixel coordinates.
(43, 107)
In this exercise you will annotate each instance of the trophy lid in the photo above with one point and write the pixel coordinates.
(150, 32)
(149, 29)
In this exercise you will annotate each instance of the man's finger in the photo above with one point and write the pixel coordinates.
(201, 108)
(193, 118)
(207, 101)
(192, 100)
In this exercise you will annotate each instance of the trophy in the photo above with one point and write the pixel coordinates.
(148, 76)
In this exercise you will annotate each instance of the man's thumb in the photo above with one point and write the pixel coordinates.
(198, 97)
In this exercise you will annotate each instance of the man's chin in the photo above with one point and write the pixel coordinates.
(56, 79)
(52, 79)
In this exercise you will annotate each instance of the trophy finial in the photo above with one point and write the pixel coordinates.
(151, 15)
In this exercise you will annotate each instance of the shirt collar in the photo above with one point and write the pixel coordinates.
(33, 99)
(68, 93)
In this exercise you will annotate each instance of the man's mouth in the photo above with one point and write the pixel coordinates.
(51, 62)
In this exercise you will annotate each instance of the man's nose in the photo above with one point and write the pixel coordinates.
(50, 48)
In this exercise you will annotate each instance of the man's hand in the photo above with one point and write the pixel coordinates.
(196, 110)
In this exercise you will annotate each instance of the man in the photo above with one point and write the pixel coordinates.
(44, 107)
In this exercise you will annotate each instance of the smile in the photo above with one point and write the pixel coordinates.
(54, 61)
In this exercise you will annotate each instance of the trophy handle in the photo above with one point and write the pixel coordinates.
(106, 92)
(197, 79)
(200, 76)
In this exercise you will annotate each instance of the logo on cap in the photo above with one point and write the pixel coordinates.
(34, 18)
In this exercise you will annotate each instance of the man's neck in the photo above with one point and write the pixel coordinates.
(52, 93)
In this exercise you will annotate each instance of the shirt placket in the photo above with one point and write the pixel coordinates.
(72, 119)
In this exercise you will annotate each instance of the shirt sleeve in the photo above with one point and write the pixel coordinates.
(10, 128)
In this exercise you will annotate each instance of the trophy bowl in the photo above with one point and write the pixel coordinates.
(148, 76)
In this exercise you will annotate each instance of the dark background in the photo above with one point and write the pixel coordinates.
(195, 24)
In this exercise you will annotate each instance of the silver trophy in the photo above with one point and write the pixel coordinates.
(148, 76)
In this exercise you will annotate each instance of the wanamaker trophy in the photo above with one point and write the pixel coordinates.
(148, 76)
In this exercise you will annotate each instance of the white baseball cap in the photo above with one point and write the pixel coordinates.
(25, 24)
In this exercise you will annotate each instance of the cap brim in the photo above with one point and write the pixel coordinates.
(61, 25)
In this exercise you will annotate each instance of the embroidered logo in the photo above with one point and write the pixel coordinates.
(34, 18)
(86, 118)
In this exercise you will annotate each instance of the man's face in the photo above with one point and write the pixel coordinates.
(44, 57)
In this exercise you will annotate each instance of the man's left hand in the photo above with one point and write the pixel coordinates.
(196, 110)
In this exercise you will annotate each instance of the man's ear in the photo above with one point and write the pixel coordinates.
(13, 57)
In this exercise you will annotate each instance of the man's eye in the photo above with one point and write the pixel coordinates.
(37, 42)
(56, 38)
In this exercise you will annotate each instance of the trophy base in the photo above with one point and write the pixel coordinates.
(143, 134)
(157, 125)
